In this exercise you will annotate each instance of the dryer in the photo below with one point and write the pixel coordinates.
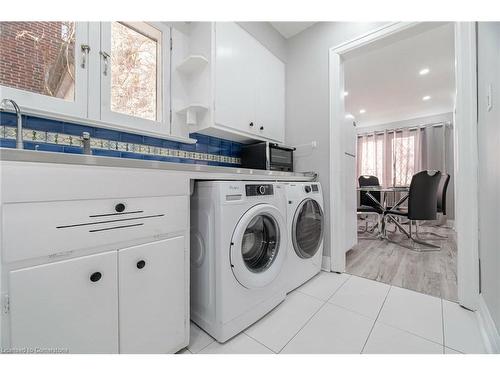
(306, 225)
(239, 245)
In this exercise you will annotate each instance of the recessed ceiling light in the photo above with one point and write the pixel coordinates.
(424, 71)
(362, 111)
(346, 93)
(425, 98)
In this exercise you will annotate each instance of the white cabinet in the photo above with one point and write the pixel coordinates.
(249, 84)
(69, 305)
(243, 86)
(94, 260)
(153, 286)
(235, 74)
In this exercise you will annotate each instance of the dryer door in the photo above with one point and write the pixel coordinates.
(258, 246)
(307, 228)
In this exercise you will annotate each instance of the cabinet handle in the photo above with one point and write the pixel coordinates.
(85, 53)
(251, 124)
(141, 264)
(105, 58)
(120, 207)
(95, 277)
(261, 128)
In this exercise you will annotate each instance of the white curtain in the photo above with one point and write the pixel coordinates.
(393, 156)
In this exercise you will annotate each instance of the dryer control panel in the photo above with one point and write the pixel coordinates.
(254, 190)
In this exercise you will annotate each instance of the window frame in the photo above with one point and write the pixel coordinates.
(122, 121)
(39, 103)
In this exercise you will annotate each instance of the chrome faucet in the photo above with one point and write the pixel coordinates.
(19, 137)
(86, 143)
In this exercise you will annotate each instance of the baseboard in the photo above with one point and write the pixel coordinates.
(488, 328)
(326, 263)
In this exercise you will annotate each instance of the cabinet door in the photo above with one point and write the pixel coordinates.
(153, 297)
(70, 305)
(235, 74)
(270, 97)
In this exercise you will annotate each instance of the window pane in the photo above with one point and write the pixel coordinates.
(38, 57)
(403, 151)
(133, 72)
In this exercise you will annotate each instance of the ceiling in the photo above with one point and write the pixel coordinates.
(289, 29)
(386, 83)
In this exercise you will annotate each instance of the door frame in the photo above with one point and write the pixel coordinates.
(466, 153)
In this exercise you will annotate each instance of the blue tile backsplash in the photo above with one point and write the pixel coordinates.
(58, 136)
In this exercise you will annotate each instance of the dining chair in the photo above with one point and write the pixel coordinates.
(367, 206)
(422, 205)
(441, 205)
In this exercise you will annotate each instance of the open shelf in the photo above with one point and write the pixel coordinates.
(191, 112)
(193, 63)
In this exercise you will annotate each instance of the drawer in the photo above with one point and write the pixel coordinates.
(38, 229)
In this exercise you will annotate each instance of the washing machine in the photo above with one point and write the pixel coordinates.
(239, 246)
(305, 226)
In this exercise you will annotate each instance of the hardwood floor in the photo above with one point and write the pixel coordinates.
(433, 273)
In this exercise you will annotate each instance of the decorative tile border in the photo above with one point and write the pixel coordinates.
(48, 135)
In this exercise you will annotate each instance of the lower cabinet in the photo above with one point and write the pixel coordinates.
(70, 305)
(133, 300)
(152, 297)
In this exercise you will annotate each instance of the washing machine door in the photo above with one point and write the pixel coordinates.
(307, 228)
(258, 246)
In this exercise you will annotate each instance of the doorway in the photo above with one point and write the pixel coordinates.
(458, 254)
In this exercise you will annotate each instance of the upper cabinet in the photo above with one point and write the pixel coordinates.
(241, 91)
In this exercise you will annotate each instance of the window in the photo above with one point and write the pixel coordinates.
(112, 72)
(372, 156)
(38, 57)
(134, 73)
(394, 157)
(132, 78)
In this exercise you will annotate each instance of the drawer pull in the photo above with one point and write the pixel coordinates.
(95, 277)
(120, 207)
(112, 228)
(110, 221)
(141, 264)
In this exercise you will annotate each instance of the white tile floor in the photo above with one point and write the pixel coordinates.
(335, 313)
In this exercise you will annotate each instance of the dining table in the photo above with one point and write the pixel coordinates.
(383, 204)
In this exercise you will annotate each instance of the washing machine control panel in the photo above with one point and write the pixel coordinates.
(254, 190)
(314, 188)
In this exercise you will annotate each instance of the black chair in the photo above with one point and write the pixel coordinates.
(422, 205)
(367, 206)
(441, 202)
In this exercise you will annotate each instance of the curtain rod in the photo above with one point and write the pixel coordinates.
(431, 125)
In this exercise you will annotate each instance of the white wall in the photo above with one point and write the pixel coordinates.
(489, 169)
(268, 36)
(307, 97)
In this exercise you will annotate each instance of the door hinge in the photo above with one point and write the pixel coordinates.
(171, 43)
(6, 304)
(170, 116)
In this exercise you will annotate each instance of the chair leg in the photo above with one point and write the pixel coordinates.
(414, 240)
(440, 237)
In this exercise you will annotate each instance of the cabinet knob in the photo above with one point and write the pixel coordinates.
(141, 264)
(120, 207)
(261, 128)
(251, 124)
(95, 277)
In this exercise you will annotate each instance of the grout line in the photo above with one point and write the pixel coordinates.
(257, 341)
(210, 343)
(313, 315)
(375, 321)
(302, 327)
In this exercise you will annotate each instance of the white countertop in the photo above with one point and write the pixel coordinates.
(200, 172)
